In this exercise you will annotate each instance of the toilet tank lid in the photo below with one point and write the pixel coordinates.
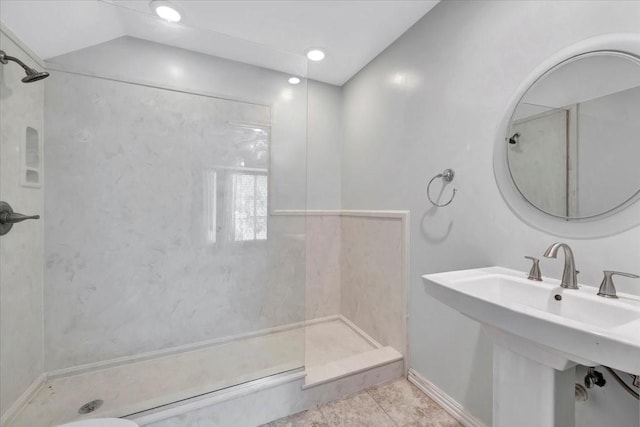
(101, 422)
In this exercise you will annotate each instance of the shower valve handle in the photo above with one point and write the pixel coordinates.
(12, 218)
(8, 217)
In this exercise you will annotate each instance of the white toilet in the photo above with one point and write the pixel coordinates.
(101, 422)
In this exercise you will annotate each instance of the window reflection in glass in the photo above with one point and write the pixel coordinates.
(249, 215)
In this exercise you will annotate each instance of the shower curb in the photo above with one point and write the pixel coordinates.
(274, 398)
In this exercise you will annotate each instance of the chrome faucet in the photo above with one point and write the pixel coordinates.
(569, 279)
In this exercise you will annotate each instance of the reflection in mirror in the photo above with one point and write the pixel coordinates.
(574, 138)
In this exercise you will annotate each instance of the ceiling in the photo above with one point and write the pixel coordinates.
(271, 34)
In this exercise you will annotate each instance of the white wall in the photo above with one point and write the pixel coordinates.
(324, 144)
(21, 351)
(432, 101)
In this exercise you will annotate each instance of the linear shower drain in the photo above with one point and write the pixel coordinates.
(89, 407)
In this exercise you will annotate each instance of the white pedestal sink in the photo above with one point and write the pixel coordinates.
(540, 332)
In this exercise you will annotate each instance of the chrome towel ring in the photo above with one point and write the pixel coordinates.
(447, 176)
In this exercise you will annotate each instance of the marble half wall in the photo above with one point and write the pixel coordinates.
(373, 271)
(357, 268)
(322, 291)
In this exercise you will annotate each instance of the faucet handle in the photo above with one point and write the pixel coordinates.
(607, 289)
(534, 273)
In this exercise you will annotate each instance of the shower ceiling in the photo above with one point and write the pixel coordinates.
(351, 32)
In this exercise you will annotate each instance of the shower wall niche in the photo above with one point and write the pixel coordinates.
(31, 159)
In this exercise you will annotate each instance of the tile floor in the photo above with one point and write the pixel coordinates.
(395, 404)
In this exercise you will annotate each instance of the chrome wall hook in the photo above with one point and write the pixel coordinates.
(447, 176)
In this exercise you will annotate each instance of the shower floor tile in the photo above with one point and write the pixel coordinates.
(330, 341)
(141, 385)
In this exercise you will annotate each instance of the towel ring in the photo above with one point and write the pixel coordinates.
(447, 175)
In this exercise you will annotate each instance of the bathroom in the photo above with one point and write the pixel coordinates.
(231, 232)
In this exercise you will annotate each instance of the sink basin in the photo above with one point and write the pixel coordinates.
(568, 326)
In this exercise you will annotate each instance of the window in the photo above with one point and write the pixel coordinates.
(249, 207)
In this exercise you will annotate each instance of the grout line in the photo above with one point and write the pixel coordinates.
(395, 423)
(404, 400)
(383, 410)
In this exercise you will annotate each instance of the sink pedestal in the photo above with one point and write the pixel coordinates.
(527, 393)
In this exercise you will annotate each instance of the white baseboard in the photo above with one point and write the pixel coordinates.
(444, 400)
(22, 401)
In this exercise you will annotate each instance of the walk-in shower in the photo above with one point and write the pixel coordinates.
(170, 266)
(164, 267)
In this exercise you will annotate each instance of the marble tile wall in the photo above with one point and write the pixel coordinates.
(21, 105)
(355, 266)
(144, 62)
(371, 274)
(323, 266)
(130, 264)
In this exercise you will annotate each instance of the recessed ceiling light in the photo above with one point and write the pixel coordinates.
(294, 80)
(165, 10)
(315, 54)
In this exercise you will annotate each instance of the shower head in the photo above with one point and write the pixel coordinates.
(32, 74)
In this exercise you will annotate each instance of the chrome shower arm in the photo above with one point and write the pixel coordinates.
(4, 58)
(32, 75)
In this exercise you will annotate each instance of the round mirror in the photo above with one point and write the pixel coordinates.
(573, 141)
